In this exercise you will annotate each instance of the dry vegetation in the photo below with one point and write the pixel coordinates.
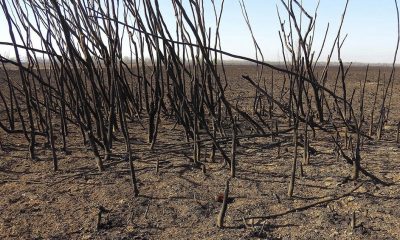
(183, 145)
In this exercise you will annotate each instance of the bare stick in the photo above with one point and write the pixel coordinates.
(221, 215)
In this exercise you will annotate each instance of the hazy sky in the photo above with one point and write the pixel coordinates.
(371, 26)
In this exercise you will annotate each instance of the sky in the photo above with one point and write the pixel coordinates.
(371, 26)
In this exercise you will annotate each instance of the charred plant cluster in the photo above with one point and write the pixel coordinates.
(104, 66)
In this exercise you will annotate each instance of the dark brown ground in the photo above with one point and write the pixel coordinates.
(179, 202)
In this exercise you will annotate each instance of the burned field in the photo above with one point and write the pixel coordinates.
(117, 125)
(178, 198)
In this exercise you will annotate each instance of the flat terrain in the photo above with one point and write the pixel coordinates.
(179, 202)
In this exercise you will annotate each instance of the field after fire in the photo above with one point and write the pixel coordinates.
(176, 142)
